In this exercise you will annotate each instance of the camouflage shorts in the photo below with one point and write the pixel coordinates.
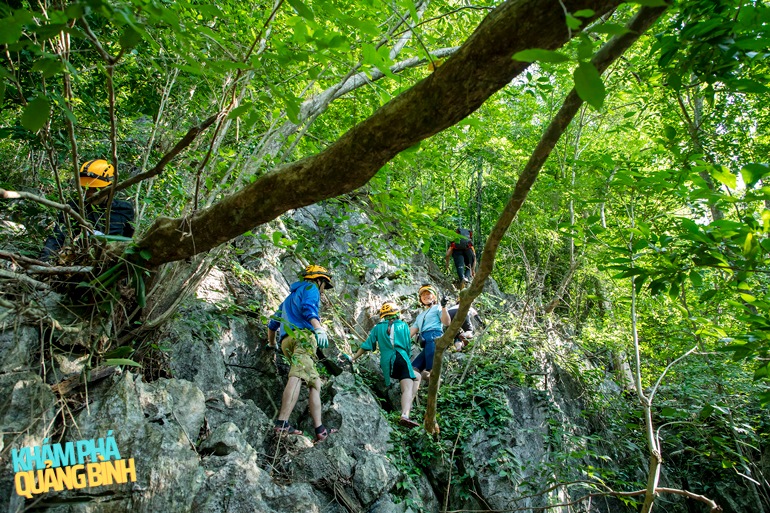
(300, 352)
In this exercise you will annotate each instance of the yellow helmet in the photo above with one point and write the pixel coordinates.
(314, 272)
(96, 173)
(427, 288)
(389, 308)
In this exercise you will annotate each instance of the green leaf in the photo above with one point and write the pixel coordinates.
(585, 48)
(120, 352)
(302, 9)
(48, 67)
(130, 38)
(36, 114)
(113, 238)
(277, 236)
(747, 244)
(540, 55)
(145, 254)
(573, 22)
(584, 13)
(121, 361)
(239, 111)
(752, 173)
(589, 85)
(612, 29)
(10, 31)
(724, 176)
(670, 132)
(649, 3)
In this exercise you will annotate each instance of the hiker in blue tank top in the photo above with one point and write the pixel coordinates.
(429, 326)
(392, 335)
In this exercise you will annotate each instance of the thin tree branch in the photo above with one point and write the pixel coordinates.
(72, 269)
(39, 285)
(4, 194)
(22, 260)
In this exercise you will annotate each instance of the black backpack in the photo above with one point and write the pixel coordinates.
(465, 240)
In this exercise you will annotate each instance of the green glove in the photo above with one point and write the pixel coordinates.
(322, 338)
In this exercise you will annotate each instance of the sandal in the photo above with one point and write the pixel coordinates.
(407, 422)
(322, 433)
(282, 427)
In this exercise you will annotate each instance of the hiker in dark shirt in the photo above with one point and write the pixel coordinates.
(94, 175)
(464, 256)
(466, 331)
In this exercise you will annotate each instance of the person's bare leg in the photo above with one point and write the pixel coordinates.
(407, 396)
(314, 402)
(416, 386)
(289, 397)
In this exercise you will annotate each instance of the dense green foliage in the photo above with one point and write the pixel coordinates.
(659, 183)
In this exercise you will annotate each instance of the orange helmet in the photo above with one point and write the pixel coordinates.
(96, 173)
(314, 272)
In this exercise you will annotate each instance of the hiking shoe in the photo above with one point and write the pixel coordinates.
(407, 422)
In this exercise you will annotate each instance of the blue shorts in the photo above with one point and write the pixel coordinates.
(424, 360)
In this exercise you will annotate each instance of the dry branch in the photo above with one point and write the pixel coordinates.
(4, 194)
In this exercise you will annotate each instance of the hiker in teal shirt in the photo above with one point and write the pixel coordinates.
(392, 336)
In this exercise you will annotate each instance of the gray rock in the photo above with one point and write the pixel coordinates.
(224, 440)
(156, 424)
(251, 422)
(375, 475)
(27, 410)
(18, 346)
(236, 484)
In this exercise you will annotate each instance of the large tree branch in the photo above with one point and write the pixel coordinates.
(481, 67)
(603, 58)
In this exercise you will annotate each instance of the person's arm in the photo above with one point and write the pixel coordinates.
(445, 319)
(446, 257)
(473, 263)
(369, 345)
(273, 326)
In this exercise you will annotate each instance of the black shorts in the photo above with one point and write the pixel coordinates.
(400, 369)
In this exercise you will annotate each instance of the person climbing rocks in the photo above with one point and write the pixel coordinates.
(428, 326)
(464, 256)
(301, 333)
(466, 331)
(392, 335)
(94, 175)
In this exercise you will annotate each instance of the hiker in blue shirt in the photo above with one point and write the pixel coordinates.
(301, 333)
(428, 326)
(392, 335)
